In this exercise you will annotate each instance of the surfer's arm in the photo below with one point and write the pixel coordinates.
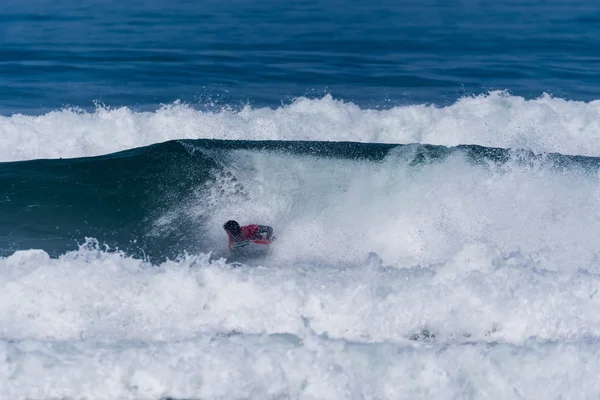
(266, 230)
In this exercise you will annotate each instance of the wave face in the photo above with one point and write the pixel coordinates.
(546, 124)
(331, 202)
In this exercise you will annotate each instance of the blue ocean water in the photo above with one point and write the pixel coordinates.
(377, 54)
(431, 170)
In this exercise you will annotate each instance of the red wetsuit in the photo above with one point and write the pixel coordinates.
(249, 232)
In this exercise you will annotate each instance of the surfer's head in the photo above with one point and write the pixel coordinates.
(233, 227)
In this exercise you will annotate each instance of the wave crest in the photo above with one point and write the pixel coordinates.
(498, 119)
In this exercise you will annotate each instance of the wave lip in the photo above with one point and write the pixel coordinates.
(546, 124)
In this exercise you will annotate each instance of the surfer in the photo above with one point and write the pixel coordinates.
(242, 235)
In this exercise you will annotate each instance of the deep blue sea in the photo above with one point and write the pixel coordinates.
(377, 54)
(431, 170)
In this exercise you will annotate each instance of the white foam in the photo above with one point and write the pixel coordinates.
(337, 211)
(480, 294)
(94, 324)
(308, 367)
(546, 124)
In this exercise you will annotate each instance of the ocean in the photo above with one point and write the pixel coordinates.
(431, 170)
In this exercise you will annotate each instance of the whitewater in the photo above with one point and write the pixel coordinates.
(497, 119)
(415, 272)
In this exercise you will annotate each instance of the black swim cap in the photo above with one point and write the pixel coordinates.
(233, 227)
